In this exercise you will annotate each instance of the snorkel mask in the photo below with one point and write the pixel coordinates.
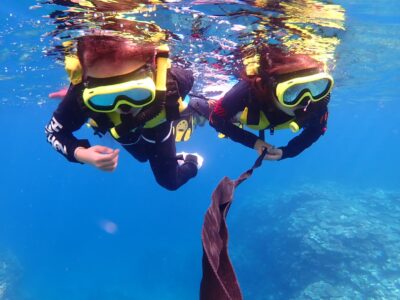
(290, 93)
(105, 95)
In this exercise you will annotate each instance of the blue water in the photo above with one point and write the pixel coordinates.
(322, 225)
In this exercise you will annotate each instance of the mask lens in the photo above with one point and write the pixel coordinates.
(292, 94)
(136, 97)
(138, 94)
(317, 89)
(104, 100)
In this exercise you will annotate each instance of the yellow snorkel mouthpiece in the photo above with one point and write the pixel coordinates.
(294, 127)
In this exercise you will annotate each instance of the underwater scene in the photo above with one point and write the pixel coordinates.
(323, 224)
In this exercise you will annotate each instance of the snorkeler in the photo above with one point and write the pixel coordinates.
(280, 91)
(128, 90)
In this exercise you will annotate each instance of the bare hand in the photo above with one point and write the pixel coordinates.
(212, 102)
(103, 158)
(272, 153)
(59, 94)
(260, 145)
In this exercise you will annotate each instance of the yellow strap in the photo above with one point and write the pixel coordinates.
(264, 123)
(74, 69)
(162, 67)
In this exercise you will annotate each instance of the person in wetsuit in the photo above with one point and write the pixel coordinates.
(283, 90)
(128, 90)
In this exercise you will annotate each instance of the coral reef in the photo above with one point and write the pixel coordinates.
(10, 271)
(319, 242)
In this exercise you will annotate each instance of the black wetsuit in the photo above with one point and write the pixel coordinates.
(156, 145)
(313, 120)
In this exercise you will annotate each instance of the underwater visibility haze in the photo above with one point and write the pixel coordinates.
(323, 225)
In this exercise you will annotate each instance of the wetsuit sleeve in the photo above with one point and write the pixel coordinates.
(313, 130)
(226, 109)
(67, 118)
(184, 80)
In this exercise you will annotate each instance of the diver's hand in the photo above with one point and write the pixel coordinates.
(59, 94)
(103, 158)
(273, 154)
(212, 102)
(260, 145)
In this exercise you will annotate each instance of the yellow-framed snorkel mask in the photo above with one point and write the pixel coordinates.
(316, 87)
(105, 95)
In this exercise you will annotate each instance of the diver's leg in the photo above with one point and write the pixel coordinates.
(164, 163)
(136, 146)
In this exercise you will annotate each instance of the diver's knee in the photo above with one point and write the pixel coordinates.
(168, 185)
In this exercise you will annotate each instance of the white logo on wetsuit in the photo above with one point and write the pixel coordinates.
(55, 126)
